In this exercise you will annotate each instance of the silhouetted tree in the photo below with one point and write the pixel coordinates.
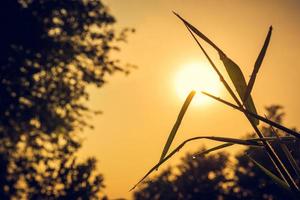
(50, 51)
(200, 178)
(251, 182)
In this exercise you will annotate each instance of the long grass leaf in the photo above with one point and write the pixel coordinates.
(207, 151)
(290, 158)
(277, 180)
(249, 142)
(249, 105)
(197, 32)
(287, 153)
(239, 82)
(226, 85)
(284, 139)
(272, 154)
(167, 158)
(177, 124)
(231, 140)
(232, 69)
(257, 64)
(272, 123)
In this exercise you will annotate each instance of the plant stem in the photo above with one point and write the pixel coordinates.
(275, 159)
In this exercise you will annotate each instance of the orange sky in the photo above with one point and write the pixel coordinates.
(139, 110)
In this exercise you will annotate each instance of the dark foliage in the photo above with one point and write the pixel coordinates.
(50, 51)
(201, 178)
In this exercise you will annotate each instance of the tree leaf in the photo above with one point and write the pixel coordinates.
(258, 64)
(177, 124)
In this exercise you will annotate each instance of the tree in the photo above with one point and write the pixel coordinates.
(251, 182)
(200, 178)
(50, 51)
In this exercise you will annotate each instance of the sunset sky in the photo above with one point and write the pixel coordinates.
(140, 109)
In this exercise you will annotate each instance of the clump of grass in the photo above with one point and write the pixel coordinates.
(245, 104)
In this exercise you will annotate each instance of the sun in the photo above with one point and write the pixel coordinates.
(198, 77)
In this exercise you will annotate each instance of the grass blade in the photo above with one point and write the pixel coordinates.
(207, 151)
(197, 32)
(258, 64)
(232, 140)
(232, 69)
(283, 128)
(249, 142)
(168, 157)
(277, 180)
(177, 124)
(272, 139)
(291, 159)
(241, 86)
(287, 153)
(226, 85)
(272, 154)
(239, 82)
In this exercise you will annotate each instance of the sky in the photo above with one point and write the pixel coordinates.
(139, 110)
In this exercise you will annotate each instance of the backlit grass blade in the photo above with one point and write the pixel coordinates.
(197, 32)
(170, 155)
(285, 139)
(207, 151)
(257, 64)
(272, 154)
(286, 152)
(276, 180)
(231, 141)
(283, 128)
(290, 158)
(239, 83)
(232, 69)
(177, 124)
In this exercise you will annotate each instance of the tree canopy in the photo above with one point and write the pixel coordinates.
(50, 51)
(201, 178)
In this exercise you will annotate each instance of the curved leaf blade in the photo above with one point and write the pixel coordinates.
(228, 142)
(287, 152)
(276, 180)
(207, 151)
(172, 154)
(257, 64)
(232, 69)
(177, 124)
(258, 117)
(197, 32)
(239, 82)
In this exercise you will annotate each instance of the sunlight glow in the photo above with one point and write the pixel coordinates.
(198, 77)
